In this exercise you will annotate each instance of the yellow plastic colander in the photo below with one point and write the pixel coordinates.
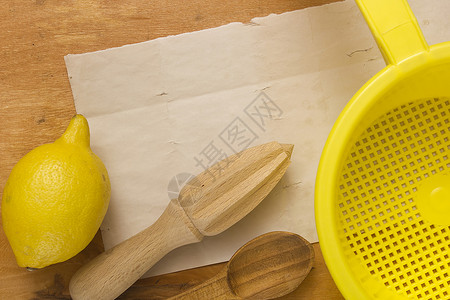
(383, 184)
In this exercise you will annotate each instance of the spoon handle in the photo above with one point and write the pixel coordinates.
(112, 272)
(216, 288)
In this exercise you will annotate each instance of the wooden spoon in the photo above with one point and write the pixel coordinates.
(218, 198)
(269, 266)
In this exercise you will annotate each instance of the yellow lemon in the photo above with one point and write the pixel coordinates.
(55, 199)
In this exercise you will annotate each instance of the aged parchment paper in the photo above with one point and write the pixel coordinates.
(165, 109)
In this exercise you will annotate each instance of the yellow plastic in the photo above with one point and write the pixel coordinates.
(382, 196)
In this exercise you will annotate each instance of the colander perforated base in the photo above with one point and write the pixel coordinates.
(380, 217)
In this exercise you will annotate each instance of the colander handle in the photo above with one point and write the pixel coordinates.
(394, 28)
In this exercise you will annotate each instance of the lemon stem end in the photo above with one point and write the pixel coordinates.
(77, 132)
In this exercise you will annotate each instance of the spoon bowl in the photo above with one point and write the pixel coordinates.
(269, 266)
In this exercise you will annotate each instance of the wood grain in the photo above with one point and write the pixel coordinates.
(36, 104)
(269, 266)
(317, 285)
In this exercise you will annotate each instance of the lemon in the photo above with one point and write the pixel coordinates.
(55, 199)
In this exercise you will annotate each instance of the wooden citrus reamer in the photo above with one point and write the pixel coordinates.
(222, 195)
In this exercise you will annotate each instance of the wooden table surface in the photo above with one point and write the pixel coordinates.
(36, 105)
